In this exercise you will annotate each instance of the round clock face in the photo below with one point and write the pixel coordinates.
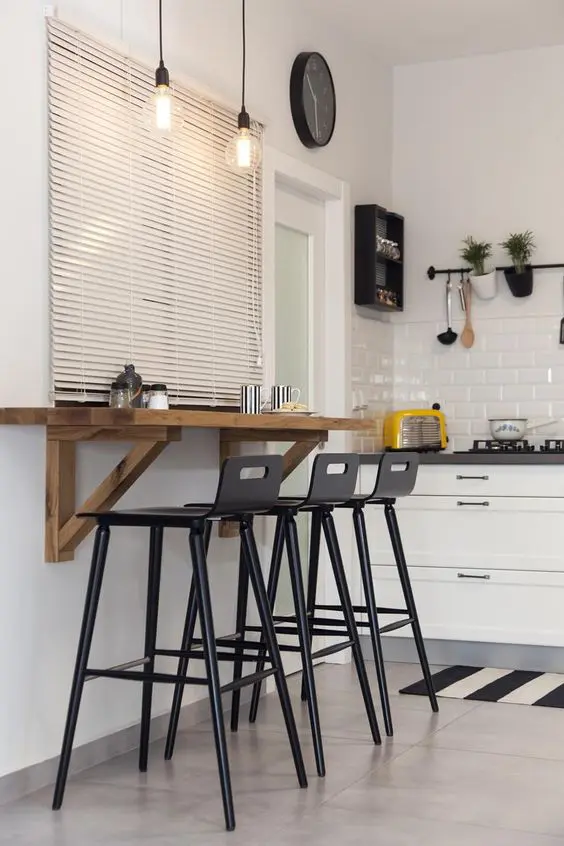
(312, 99)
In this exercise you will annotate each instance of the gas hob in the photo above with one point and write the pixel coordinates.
(552, 446)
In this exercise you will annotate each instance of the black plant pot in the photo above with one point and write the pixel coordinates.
(520, 284)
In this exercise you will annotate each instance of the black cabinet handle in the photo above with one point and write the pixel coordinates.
(486, 577)
(483, 504)
(483, 478)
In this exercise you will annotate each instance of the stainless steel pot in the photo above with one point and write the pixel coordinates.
(513, 428)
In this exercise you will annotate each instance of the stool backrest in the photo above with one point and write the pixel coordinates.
(397, 474)
(336, 486)
(248, 484)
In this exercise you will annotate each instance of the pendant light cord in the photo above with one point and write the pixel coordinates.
(244, 30)
(161, 31)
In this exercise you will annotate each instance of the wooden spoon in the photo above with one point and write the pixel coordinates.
(467, 337)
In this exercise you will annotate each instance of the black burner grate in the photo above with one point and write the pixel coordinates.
(551, 445)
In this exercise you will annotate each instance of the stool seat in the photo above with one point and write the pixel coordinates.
(174, 517)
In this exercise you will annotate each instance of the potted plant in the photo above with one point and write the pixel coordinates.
(520, 246)
(476, 253)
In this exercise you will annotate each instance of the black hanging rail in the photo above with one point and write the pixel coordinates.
(432, 271)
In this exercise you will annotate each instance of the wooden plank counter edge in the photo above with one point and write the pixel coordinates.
(120, 417)
(151, 431)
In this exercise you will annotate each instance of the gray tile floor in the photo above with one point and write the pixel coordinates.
(472, 775)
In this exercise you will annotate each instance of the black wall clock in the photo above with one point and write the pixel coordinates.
(312, 99)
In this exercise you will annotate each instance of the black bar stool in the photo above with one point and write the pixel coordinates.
(396, 477)
(326, 490)
(247, 486)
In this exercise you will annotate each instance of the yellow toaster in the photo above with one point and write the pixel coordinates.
(419, 429)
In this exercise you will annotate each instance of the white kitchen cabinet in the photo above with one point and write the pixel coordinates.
(508, 533)
(507, 607)
(485, 549)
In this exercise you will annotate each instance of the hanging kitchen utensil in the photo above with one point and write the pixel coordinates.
(448, 337)
(461, 293)
(468, 337)
(562, 329)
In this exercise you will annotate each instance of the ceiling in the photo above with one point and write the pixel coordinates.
(409, 31)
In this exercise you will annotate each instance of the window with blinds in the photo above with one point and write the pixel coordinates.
(155, 245)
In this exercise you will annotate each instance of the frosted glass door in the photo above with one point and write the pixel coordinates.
(293, 363)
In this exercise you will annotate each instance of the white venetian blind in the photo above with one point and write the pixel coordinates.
(155, 245)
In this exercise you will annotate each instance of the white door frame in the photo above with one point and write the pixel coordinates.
(283, 170)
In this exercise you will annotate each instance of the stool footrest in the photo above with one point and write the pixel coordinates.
(131, 675)
(359, 609)
(246, 680)
(198, 655)
(399, 624)
(330, 650)
(235, 643)
(391, 610)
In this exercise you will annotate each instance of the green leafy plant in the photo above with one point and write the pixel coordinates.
(520, 246)
(476, 253)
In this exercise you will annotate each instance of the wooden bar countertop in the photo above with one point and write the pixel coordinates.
(150, 431)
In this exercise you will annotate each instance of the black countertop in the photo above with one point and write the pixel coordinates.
(509, 458)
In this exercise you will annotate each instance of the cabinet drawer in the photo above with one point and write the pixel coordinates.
(490, 480)
(507, 533)
(505, 607)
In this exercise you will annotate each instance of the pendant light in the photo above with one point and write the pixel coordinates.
(243, 153)
(162, 98)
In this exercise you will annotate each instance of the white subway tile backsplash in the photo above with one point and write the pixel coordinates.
(469, 377)
(502, 409)
(535, 376)
(469, 410)
(502, 377)
(518, 359)
(485, 393)
(536, 410)
(500, 343)
(453, 393)
(537, 343)
(515, 393)
(484, 359)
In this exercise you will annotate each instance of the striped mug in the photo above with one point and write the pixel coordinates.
(251, 399)
(280, 394)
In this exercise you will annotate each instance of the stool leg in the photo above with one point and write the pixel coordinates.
(255, 573)
(304, 639)
(99, 554)
(399, 555)
(371, 607)
(212, 669)
(313, 573)
(241, 617)
(182, 671)
(151, 620)
(348, 613)
(273, 579)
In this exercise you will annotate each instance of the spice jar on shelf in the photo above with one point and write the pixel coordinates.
(120, 395)
(158, 397)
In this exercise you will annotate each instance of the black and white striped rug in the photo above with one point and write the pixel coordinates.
(487, 684)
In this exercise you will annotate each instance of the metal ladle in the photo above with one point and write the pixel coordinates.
(449, 336)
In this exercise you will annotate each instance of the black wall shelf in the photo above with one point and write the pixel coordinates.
(378, 279)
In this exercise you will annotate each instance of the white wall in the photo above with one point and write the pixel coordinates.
(40, 604)
(478, 150)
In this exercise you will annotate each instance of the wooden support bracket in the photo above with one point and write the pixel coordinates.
(64, 530)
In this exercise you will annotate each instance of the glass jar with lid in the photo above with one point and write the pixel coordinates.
(120, 395)
(158, 397)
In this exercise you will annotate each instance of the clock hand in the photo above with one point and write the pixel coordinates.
(316, 120)
(311, 88)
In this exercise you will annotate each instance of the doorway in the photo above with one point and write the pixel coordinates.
(299, 330)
